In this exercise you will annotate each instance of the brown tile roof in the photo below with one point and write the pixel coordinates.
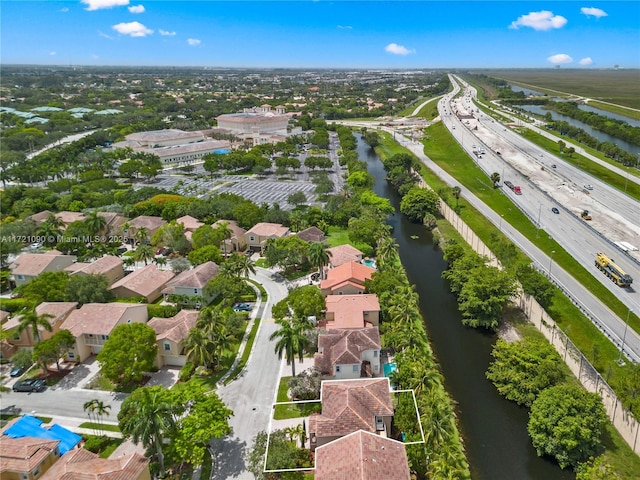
(233, 226)
(348, 310)
(146, 221)
(196, 277)
(343, 254)
(312, 234)
(33, 264)
(353, 272)
(81, 464)
(97, 318)
(23, 454)
(113, 219)
(174, 328)
(57, 310)
(351, 405)
(344, 347)
(362, 456)
(189, 222)
(145, 280)
(97, 267)
(264, 229)
(70, 217)
(40, 216)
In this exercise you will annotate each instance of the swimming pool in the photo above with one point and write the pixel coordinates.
(368, 262)
(388, 368)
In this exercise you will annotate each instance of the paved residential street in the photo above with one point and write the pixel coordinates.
(251, 395)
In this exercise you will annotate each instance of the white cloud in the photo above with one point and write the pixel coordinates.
(52, 53)
(166, 33)
(102, 4)
(133, 29)
(398, 49)
(64, 9)
(593, 12)
(345, 27)
(560, 58)
(136, 9)
(542, 20)
(194, 42)
(586, 61)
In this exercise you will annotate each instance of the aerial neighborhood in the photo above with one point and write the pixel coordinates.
(243, 273)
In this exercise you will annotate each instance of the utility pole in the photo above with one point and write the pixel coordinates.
(624, 337)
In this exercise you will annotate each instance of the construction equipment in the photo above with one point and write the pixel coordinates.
(585, 215)
(613, 271)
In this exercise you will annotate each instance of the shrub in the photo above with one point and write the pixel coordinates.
(186, 371)
(163, 311)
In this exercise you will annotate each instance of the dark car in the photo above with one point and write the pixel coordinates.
(31, 385)
(16, 371)
(242, 307)
(555, 210)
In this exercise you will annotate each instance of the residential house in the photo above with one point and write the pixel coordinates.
(40, 217)
(343, 254)
(113, 222)
(349, 406)
(92, 324)
(85, 465)
(189, 224)
(55, 312)
(29, 265)
(347, 279)
(192, 282)
(237, 242)
(110, 266)
(349, 353)
(312, 234)
(171, 334)
(147, 282)
(67, 218)
(351, 311)
(362, 456)
(150, 223)
(257, 235)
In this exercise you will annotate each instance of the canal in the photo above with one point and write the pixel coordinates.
(494, 429)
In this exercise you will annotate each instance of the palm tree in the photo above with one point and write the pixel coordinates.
(90, 408)
(96, 409)
(387, 251)
(31, 319)
(291, 340)
(455, 191)
(144, 252)
(95, 223)
(141, 235)
(319, 256)
(227, 233)
(153, 418)
(101, 409)
(199, 348)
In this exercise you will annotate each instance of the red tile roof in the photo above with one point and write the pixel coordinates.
(343, 254)
(146, 221)
(264, 229)
(348, 310)
(174, 328)
(81, 464)
(23, 454)
(97, 318)
(362, 456)
(144, 281)
(189, 222)
(351, 405)
(352, 272)
(344, 347)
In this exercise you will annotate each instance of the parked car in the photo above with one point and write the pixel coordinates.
(555, 210)
(588, 187)
(16, 371)
(242, 307)
(30, 385)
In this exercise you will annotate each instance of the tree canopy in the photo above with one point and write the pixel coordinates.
(129, 352)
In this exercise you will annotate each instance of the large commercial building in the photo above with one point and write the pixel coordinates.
(257, 120)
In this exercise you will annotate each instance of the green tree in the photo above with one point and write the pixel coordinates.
(88, 289)
(208, 253)
(455, 191)
(291, 340)
(495, 179)
(129, 352)
(418, 202)
(148, 416)
(566, 422)
(596, 469)
(297, 198)
(628, 388)
(143, 253)
(302, 302)
(95, 223)
(46, 287)
(319, 256)
(521, 370)
(32, 321)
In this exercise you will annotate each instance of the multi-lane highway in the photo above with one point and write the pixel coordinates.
(516, 158)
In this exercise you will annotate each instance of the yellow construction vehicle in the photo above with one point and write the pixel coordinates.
(613, 271)
(585, 215)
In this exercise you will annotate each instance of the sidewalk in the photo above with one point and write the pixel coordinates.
(73, 424)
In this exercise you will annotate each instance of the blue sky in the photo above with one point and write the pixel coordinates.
(308, 34)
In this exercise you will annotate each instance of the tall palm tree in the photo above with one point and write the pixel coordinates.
(141, 235)
(95, 223)
(31, 319)
(227, 233)
(199, 348)
(144, 252)
(90, 408)
(387, 250)
(154, 417)
(291, 340)
(319, 256)
(239, 266)
(101, 410)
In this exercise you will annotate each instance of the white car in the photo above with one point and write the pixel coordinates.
(588, 187)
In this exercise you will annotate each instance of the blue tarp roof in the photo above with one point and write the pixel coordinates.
(28, 426)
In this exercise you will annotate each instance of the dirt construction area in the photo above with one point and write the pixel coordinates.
(575, 198)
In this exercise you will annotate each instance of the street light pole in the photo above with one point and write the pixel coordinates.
(551, 261)
(539, 212)
(624, 336)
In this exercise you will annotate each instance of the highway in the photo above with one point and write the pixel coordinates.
(571, 232)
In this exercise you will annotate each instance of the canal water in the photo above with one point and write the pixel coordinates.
(494, 429)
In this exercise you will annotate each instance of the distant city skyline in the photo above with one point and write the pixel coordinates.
(322, 34)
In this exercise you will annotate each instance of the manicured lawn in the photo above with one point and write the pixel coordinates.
(100, 426)
(283, 412)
